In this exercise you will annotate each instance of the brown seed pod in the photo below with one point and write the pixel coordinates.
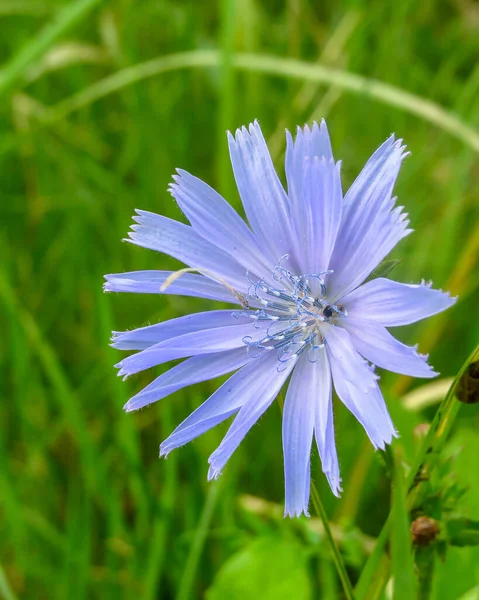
(467, 390)
(424, 531)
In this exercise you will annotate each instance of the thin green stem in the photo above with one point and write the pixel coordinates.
(425, 566)
(402, 559)
(337, 558)
(188, 577)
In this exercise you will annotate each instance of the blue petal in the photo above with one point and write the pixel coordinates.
(145, 337)
(324, 422)
(250, 383)
(298, 426)
(150, 282)
(378, 346)
(183, 243)
(199, 342)
(308, 143)
(370, 226)
(356, 385)
(193, 370)
(214, 219)
(317, 218)
(391, 303)
(308, 409)
(264, 385)
(263, 196)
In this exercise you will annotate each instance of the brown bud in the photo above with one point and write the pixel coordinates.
(424, 531)
(467, 390)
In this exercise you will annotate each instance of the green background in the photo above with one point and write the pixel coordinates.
(86, 508)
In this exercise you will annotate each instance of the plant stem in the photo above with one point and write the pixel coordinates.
(370, 582)
(337, 558)
(425, 564)
(188, 577)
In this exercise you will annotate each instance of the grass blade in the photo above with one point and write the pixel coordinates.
(280, 67)
(67, 18)
(68, 402)
(5, 590)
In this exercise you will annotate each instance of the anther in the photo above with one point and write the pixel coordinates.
(328, 311)
(295, 315)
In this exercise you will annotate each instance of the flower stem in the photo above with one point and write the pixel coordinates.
(188, 577)
(425, 565)
(376, 572)
(337, 558)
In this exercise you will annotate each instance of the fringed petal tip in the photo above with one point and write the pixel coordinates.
(309, 140)
(213, 473)
(447, 298)
(109, 284)
(430, 372)
(334, 483)
(122, 372)
(138, 217)
(293, 513)
(166, 447)
(181, 178)
(315, 128)
(141, 213)
(243, 131)
(387, 440)
(397, 145)
(115, 335)
(164, 451)
(130, 406)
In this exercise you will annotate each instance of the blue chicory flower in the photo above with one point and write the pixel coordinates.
(298, 274)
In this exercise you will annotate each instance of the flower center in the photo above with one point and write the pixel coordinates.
(293, 315)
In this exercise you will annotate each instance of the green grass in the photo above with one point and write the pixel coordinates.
(99, 102)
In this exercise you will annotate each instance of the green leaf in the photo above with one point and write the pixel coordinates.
(463, 532)
(270, 568)
(402, 562)
(384, 268)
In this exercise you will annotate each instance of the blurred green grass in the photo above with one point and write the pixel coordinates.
(87, 510)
